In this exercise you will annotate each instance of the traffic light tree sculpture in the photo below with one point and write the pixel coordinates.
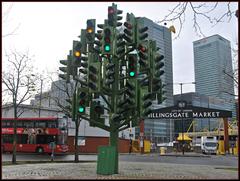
(120, 68)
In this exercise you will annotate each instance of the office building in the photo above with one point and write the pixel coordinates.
(213, 65)
(160, 131)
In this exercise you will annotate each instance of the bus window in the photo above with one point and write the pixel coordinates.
(52, 124)
(31, 139)
(22, 139)
(28, 124)
(7, 124)
(19, 124)
(7, 138)
(44, 139)
(40, 124)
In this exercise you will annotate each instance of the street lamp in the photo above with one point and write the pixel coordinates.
(181, 84)
(40, 100)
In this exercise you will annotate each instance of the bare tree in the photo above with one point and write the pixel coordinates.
(199, 10)
(62, 102)
(232, 75)
(18, 81)
(6, 21)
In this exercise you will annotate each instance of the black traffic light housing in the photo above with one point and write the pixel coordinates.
(90, 31)
(96, 111)
(82, 101)
(132, 65)
(113, 16)
(109, 74)
(141, 31)
(107, 45)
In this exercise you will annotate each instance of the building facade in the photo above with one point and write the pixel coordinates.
(198, 100)
(213, 65)
(160, 131)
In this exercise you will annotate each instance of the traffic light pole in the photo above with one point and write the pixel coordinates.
(113, 125)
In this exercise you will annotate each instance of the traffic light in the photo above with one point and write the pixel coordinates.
(94, 77)
(107, 40)
(79, 61)
(77, 53)
(157, 72)
(67, 69)
(83, 41)
(131, 92)
(160, 95)
(132, 65)
(83, 76)
(113, 16)
(144, 55)
(99, 39)
(144, 80)
(129, 98)
(96, 110)
(82, 99)
(109, 74)
(145, 102)
(120, 45)
(90, 31)
(129, 30)
(141, 31)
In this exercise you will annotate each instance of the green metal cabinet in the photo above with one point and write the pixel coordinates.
(106, 160)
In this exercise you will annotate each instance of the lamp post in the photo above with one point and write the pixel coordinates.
(181, 84)
(40, 100)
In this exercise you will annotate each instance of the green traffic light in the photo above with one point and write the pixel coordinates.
(81, 109)
(107, 48)
(132, 74)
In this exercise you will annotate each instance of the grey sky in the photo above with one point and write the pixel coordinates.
(47, 31)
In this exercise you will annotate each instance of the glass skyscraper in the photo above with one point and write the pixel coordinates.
(212, 57)
(157, 130)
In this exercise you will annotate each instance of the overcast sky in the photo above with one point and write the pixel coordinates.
(48, 29)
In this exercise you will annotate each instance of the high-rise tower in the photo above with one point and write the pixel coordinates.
(213, 65)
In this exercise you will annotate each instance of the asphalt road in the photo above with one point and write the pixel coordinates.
(217, 160)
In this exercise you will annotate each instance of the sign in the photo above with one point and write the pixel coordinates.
(81, 141)
(175, 112)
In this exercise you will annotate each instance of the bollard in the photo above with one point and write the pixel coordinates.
(162, 151)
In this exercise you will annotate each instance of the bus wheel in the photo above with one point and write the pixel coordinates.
(39, 150)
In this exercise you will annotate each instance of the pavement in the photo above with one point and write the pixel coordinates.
(127, 170)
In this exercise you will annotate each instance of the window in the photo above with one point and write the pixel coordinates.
(209, 144)
(22, 139)
(7, 124)
(52, 124)
(205, 46)
(44, 139)
(7, 138)
(19, 124)
(28, 124)
(40, 124)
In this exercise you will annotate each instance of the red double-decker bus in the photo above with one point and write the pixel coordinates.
(35, 135)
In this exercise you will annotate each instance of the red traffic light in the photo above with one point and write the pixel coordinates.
(107, 39)
(110, 10)
(142, 48)
(81, 102)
